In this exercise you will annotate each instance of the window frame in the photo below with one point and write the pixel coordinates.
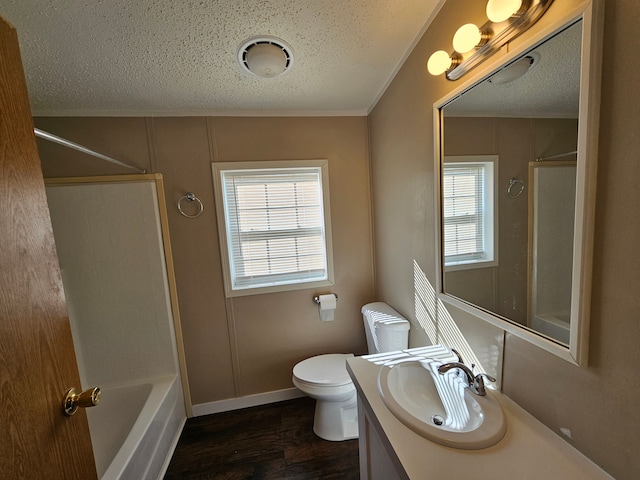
(491, 203)
(224, 242)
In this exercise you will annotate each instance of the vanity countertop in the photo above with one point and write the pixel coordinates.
(529, 450)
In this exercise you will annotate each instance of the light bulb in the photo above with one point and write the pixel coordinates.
(439, 62)
(500, 10)
(466, 38)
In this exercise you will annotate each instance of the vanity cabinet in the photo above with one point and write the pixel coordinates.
(375, 461)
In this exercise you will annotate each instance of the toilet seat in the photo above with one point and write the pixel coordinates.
(327, 370)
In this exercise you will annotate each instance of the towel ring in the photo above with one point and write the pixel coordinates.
(517, 191)
(190, 197)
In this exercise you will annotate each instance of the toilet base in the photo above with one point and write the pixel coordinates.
(336, 421)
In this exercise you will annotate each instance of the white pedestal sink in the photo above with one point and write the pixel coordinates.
(440, 407)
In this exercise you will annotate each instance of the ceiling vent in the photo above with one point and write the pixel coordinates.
(265, 57)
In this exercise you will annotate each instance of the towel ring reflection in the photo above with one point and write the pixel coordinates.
(515, 188)
(190, 197)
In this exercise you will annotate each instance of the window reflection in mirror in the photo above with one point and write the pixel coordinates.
(469, 212)
(514, 259)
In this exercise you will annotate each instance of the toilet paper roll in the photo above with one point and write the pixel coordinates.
(326, 306)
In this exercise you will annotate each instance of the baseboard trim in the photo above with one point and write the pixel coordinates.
(244, 402)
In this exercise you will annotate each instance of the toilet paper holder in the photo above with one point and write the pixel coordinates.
(317, 298)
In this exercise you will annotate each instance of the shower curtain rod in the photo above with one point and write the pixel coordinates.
(80, 148)
(551, 157)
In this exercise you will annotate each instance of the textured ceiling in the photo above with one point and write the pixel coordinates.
(155, 57)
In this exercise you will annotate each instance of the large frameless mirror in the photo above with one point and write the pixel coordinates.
(516, 156)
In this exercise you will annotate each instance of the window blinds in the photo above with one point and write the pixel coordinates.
(464, 212)
(275, 226)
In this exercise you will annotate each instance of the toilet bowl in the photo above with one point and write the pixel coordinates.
(325, 377)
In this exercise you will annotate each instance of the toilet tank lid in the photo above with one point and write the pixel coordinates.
(384, 316)
(396, 325)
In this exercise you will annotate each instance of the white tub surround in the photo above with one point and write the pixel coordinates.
(389, 450)
(114, 250)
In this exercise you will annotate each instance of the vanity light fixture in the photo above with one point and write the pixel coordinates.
(473, 45)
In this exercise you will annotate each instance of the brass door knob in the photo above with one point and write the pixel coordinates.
(72, 400)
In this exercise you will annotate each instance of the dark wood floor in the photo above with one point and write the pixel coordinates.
(273, 441)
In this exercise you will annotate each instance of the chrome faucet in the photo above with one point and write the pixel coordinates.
(475, 382)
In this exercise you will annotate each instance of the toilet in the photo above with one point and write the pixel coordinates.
(325, 377)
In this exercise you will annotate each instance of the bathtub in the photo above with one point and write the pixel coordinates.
(135, 428)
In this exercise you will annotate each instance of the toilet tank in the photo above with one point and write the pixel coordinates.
(385, 328)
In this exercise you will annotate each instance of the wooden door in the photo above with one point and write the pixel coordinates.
(37, 359)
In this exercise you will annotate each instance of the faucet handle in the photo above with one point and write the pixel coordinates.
(487, 376)
(478, 383)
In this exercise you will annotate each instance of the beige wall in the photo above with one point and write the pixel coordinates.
(245, 345)
(599, 404)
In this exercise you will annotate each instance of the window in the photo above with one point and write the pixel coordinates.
(469, 212)
(274, 223)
